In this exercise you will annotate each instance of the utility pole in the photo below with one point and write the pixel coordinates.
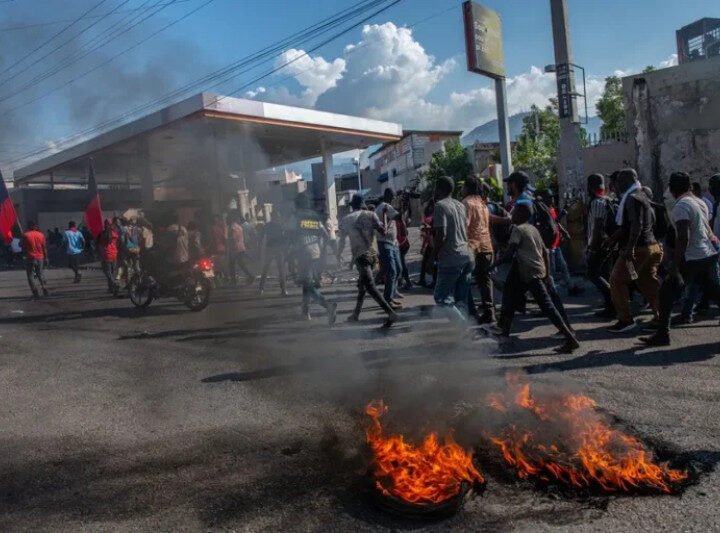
(570, 162)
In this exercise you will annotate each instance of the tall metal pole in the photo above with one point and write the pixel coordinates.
(503, 129)
(570, 163)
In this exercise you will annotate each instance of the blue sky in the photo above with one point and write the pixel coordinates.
(415, 76)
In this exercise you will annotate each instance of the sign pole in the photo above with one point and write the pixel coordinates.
(503, 130)
(484, 50)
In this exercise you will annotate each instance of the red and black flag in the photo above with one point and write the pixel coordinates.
(8, 216)
(93, 212)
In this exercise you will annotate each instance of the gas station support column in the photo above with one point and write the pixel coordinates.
(330, 195)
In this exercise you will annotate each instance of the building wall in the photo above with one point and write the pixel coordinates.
(56, 206)
(673, 115)
(404, 160)
(608, 157)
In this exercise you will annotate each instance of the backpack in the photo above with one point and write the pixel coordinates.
(611, 209)
(545, 224)
(500, 233)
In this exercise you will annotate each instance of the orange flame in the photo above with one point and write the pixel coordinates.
(591, 452)
(422, 475)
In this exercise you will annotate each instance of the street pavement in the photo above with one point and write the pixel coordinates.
(244, 418)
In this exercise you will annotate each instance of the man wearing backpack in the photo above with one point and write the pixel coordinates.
(600, 224)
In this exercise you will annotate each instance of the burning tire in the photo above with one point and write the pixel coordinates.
(426, 481)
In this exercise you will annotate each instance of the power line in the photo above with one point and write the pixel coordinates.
(23, 58)
(59, 47)
(54, 22)
(81, 54)
(314, 30)
(245, 62)
(110, 60)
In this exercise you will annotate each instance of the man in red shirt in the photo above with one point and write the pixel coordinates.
(35, 251)
(108, 242)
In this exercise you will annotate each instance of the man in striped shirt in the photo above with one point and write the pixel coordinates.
(596, 233)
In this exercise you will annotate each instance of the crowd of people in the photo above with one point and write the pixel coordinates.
(634, 245)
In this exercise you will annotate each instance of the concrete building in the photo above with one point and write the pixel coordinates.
(398, 164)
(205, 152)
(673, 118)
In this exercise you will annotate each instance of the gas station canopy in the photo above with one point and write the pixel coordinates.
(205, 137)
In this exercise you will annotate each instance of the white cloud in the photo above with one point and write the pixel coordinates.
(315, 74)
(389, 75)
(671, 61)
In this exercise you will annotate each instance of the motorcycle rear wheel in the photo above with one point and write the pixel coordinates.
(140, 291)
(197, 295)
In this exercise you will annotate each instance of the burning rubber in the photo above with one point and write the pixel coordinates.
(562, 438)
(426, 481)
(549, 436)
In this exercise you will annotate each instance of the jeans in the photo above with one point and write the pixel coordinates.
(596, 274)
(558, 266)
(366, 285)
(702, 272)
(453, 286)
(647, 261)
(110, 269)
(390, 263)
(277, 255)
(405, 274)
(235, 259)
(308, 269)
(33, 269)
(693, 291)
(426, 266)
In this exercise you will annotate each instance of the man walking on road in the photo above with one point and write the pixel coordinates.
(695, 258)
(599, 220)
(532, 261)
(388, 248)
(454, 263)
(480, 244)
(237, 254)
(108, 243)
(360, 227)
(640, 254)
(36, 255)
(74, 244)
(306, 230)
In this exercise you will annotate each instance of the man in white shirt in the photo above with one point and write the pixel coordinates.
(695, 258)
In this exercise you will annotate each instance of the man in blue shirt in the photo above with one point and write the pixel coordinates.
(74, 244)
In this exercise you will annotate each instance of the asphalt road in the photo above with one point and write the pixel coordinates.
(244, 418)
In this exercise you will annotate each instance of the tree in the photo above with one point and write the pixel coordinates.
(452, 161)
(537, 146)
(610, 107)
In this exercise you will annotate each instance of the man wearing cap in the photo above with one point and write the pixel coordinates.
(360, 227)
(454, 262)
(306, 230)
(517, 183)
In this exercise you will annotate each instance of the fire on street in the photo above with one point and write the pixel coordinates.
(226, 420)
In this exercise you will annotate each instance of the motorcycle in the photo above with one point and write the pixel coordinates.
(192, 286)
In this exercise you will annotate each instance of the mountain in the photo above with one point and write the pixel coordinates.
(488, 132)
